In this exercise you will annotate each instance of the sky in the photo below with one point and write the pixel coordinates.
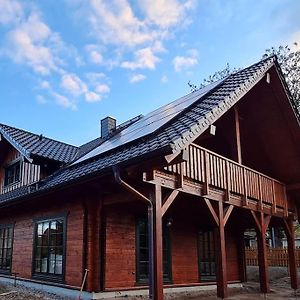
(65, 65)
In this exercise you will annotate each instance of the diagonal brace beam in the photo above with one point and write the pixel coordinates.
(168, 201)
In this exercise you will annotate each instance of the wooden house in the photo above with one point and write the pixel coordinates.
(177, 187)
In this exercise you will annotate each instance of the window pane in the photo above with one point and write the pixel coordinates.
(49, 247)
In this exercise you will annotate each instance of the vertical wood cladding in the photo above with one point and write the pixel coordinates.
(120, 248)
(23, 238)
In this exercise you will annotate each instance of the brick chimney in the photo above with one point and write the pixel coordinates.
(108, 125)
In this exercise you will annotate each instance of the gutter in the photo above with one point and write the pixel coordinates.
(149, 203)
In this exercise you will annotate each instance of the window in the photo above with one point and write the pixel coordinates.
(142, 252)
(6, 241)
(49, 248)
(12, 173)
(206, 252)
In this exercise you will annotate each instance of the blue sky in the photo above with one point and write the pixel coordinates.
(64, 65)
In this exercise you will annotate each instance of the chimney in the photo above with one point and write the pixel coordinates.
(108, 125)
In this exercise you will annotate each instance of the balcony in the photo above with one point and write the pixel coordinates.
(213, 173)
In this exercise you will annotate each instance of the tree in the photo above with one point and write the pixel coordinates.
(289, 61)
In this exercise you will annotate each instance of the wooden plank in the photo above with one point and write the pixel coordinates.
(221, 265)
(227, 191)
(257, 222)
(228, 212)
(206, 173)
(263, 262)
(237, 135)
(289, 228)
(212, 211)
(158, 260)
(168, 202)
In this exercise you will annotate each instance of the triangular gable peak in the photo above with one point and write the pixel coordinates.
(268, 127)
(234, 87)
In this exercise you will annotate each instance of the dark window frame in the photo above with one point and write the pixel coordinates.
(167, 274)
(7, 271)
(209, 234)
(59, 278)
(16, 173)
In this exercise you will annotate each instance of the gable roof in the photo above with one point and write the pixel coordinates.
(172, 136)
(31, 145)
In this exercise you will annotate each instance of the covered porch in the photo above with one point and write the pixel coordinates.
(229, 191)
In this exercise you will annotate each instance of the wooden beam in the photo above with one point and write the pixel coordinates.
(212, 211)
(227, 212)
(168, 201)
(178, 156)
(263, 261)
(237, 135)
(221, 265)
(258, 225)
(158, 253)
(289, 230)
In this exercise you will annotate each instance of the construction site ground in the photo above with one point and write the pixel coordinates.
(279, 283)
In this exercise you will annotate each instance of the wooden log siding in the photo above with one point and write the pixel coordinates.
(30, 174)
(277, 257)
(229, 175)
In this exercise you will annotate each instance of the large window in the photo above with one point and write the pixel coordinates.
(6, 241)
(49, 248)
(142, 252)
(12, 173)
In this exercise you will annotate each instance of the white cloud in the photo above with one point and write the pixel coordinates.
(41, 99)
(64, 101)
(92, 97)
(32, 43)
(137, 78)
(140, 27)
(185, 62)
(165, 13)
(114, 22)
(164, 79)
(144, 59)
(10, 11)
(94, 54)
(102, 88)
(45, 84)
(73, 84)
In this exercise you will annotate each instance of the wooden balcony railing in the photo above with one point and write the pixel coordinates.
(30, 174)
(216, 171)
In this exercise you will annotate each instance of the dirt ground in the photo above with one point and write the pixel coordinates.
(279, 283)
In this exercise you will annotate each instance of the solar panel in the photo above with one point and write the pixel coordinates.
(150, 122)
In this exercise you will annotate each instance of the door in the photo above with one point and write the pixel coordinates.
(206, 255)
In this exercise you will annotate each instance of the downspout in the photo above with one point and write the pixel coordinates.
(149, 203)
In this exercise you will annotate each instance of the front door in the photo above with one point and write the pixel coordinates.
(206, 254)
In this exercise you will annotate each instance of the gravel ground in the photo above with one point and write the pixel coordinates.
(9, 292)
(279, 282)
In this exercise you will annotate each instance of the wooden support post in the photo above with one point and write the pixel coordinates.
(237, 135)
(289, 231)
(221, 267)
(262, 225)
(242, 255)
(158, 259)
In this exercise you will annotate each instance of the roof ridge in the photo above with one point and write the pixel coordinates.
(37, 135)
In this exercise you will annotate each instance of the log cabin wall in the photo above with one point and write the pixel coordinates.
(23, 220)
(120, 246)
